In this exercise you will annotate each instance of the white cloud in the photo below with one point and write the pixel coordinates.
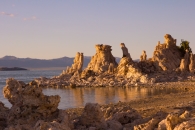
(30, 18)
(7, 14)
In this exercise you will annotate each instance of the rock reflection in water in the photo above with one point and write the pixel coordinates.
(78, 97)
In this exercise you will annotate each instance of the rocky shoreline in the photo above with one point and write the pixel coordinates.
(31, 110)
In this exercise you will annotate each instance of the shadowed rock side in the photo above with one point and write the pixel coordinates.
(31, 110)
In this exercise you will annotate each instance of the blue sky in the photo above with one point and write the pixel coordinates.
(51, 29)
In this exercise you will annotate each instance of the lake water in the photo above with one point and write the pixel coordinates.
(78, 97)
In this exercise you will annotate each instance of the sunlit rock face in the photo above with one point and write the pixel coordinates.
(167, 55)
(130, 69)
(101, 62)
(123, 66)
(192, 63)
(184, 65)
(76, 66)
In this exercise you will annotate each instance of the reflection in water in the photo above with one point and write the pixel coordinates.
(78, 97)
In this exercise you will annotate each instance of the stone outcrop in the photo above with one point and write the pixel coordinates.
(125, 51)
(143, 57)
(130, 69)
(123, 66)
(102, 61)
(29, 105)
(184, 65)
(76, 66)
(169, 41)
(166, 65)
(167, 56)
(192, 63)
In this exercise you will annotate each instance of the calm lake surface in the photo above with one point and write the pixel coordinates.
(78, 97)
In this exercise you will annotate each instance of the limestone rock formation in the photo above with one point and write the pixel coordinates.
(192, 63)
(169, 41)
(143, 57)
(125, 51)
(167, 56)
(129, 69)
(102, 61)
(103, 70)
(123, 66)
(76, 66)
(28, 104)
(184, 65)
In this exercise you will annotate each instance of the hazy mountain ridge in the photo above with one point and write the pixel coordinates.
(12, 61)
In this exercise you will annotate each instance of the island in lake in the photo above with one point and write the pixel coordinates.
(11, 69)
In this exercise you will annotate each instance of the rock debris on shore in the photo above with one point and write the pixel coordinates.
(31, 110)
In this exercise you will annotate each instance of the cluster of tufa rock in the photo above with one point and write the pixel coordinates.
(31, 110)
(166, 65)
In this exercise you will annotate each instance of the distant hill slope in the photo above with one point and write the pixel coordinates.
(12, 61)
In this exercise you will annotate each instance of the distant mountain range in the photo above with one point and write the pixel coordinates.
(12, 61)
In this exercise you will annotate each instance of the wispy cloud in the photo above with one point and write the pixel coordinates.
(7, 14)
(30, 18)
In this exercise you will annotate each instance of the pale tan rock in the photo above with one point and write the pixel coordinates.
(135, 74)
(192, 63)
(184, 66)
(167, 56)
(123, 66)
(111, 68)
(169, 41)
(28, 103)
(125, 51)
(173, 120)
(187, 125)
(143, 57)
(102, 61)
(76, 66)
